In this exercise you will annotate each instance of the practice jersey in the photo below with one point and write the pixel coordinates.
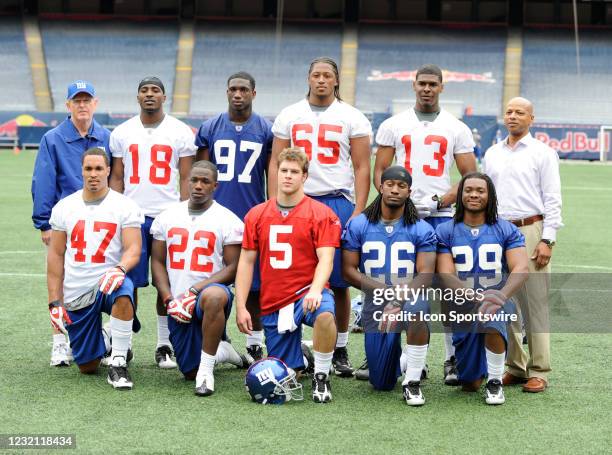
(150, 160)
(93, 237)
(325, 138)
(426, 150)
(241, 154)
(287, 247)
(195, 241)
(479, 252)
(388, 250)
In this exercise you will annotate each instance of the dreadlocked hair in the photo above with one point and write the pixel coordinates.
(334, 66)
(373, 212)
(490, 209)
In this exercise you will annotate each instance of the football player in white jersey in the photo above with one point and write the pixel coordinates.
(150, 152)
(336, 139)
(195, 254)
(94, 242)
(426, 140)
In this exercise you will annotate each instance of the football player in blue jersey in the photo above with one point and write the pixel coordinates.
(479, 251)
(239, 142)
(388, 243)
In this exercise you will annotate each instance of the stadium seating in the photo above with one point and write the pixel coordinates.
(549, 75)
(391, 48)
(17, 92)
(222, 49)
(114, 56)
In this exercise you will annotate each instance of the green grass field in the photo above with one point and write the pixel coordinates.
(162, 415)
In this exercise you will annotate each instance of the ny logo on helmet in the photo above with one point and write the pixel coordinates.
(265, 376)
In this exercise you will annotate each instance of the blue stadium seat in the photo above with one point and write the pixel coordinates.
(392, 48)
(113, 55)
(222, 49)
(17, 92)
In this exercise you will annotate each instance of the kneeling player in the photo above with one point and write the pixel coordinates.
(95, 241)
(388, 240)
(196, 245)
(482, 250)
(295, 238)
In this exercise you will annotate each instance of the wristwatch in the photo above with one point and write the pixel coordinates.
(548, 242)
(438, 199)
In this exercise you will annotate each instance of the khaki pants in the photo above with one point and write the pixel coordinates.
(533, 306)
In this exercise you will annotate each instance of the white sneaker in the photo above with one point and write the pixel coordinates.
(164, 357)
(413, 394)
(226, 353)
(494, 392)
(119, 377)
(59, 355)
(205, 384)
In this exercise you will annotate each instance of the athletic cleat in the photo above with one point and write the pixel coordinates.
(59, 355)
(308, 360)
(341, 365)
(363, 372)
(245, 362)
(450, 372)
(254, 353)
(106, 360)
(119, 377)
(494, 392)
(321, 388)
(425, 372)
(413, 394)
(164, 357)
(205, 385)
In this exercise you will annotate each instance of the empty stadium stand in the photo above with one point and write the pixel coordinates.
(113, 55)
(15, 77)
(391, 48)
(549, 75)
(280, 74)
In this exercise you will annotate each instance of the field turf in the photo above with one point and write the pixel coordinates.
(162, 415)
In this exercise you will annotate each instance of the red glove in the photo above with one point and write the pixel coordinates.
(181, 309)
(58, 315)
(112, 280)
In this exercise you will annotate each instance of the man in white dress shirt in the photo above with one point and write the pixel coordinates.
(525, 172)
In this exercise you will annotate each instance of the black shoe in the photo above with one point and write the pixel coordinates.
(450, 372)
(342, 365)
(106, 360)
(321, 388)
(425, 372)
(363, 372)
(164, 357)
(413, 394)
(119, 377)
(308, 361)
(254, 353)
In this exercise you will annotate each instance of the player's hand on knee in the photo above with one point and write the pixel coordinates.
(59, 316)
(388, 320)
(181, 309)
(312, 302)
(492, 301)
(243, 320)
(112, 280)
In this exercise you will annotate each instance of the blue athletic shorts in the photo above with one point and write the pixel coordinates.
(343, 208)
(85, 332)
(140, 274)
(469, 342)
(435, 221)
(186, 339)
(287, 346)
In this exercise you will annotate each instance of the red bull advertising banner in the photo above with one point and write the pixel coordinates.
(576, 142)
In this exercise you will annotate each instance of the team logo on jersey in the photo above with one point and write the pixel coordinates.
(239, 128)
(389, 229)
(475, 232)
(284, 213)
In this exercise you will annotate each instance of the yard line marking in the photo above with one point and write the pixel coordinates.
(21, 252)
(30, 275)
(594, 267)
(585, 188)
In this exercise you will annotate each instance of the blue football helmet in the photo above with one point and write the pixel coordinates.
(271, 381)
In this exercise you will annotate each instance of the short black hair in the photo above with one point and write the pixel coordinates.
(242, 75)
(429, 68)
(204, 164)
(95, 151)
(490, 209)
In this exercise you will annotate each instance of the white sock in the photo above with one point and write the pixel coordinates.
(495, 365)
(122, 334)
(415, 362)
(207, 364)
(449, 347)
(227, 353)
(322, 361)
(255, 338)
(59, 338)
(163, 334)
(342, 340)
